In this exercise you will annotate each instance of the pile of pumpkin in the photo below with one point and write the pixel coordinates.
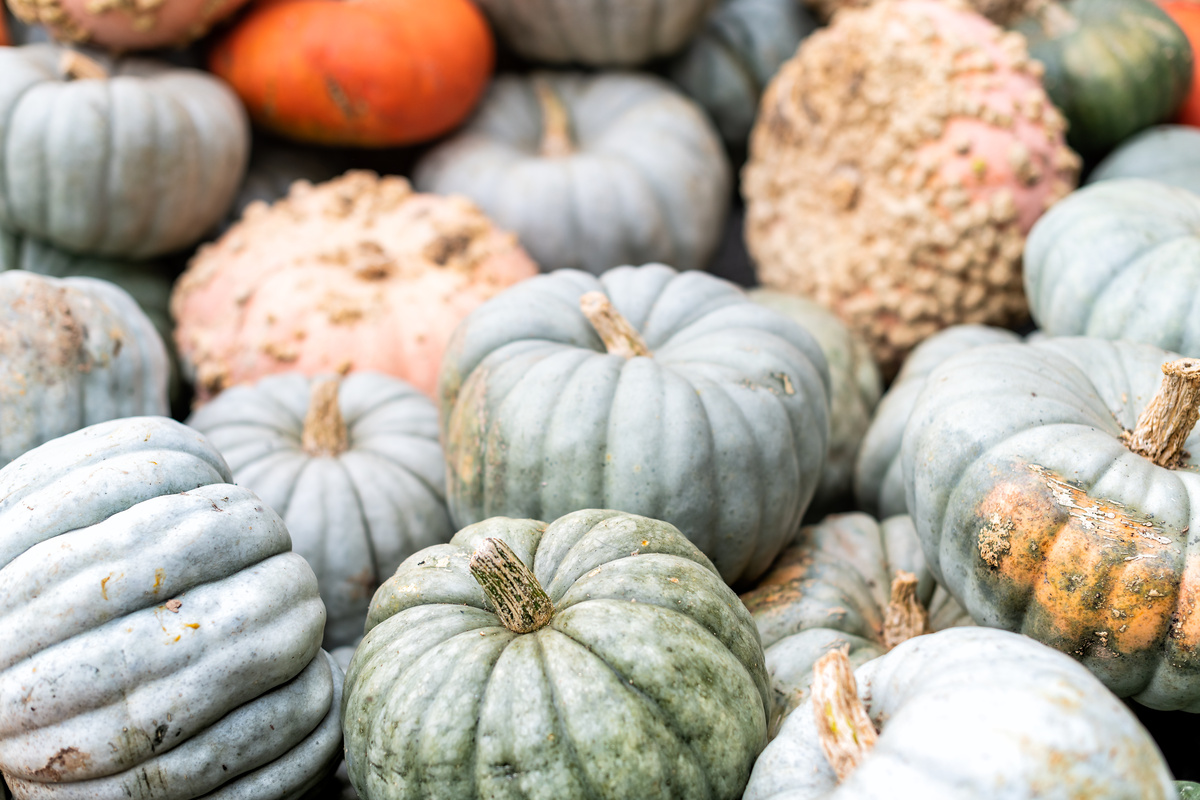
(428, 523)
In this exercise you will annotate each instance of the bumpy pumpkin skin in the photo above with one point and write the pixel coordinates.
(636, 174)
(1037, 517)
(978, 713)
(156, 623)
(722, 431)
(124, 25)
(1119, 259)
(1168, 154)
(647, 682)
(354, 509)
(375, 73)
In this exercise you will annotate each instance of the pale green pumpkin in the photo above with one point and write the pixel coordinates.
(1168, 154)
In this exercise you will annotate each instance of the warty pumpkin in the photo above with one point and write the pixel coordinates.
(598, 655)
(648, 390)
(123, 25)
(1167, 154)
(1186, 14)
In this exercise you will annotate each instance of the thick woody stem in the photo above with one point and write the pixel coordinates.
(906, 617)
(518, 599)
(556, 123)
(77, 66)
(1168, 419)
(844, 729)
(325, 431)
(619, 337)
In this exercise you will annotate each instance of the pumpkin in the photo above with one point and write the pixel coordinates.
(591, 171)
(967, 712)
(854, 387)
(359, 273)
(156, 624)
(272, 171)
(1188, 790)
(1119, 259)
(727, 65)
(353, 467)
(375, 73)
(596, 32)
(124, 25)
(598, 655)
(1049, 483)
(76, 351)
(5, 41)
(895, 186)
(848, 581)
(1186, 14)
(130, 160)
(646, 390)
(1165, 153)
(878, 471)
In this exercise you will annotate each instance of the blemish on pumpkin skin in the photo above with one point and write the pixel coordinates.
(61, 765)
(160, 575)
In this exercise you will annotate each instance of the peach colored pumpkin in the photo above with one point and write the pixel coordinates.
(126, 24)
(359, 273)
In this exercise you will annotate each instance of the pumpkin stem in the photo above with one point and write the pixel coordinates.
(76, 66)
(620, 338)
(1167, 421)
(325, 431)
(906, 617)
(844, 728)
(518, 599)
(556, 123)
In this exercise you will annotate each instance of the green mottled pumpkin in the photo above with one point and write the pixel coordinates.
(1165, 153)
(598, 656)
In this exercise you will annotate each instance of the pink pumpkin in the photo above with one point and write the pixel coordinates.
(898, 161)
(359, 273)
(126, 24)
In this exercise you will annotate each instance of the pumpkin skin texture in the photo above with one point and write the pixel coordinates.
(722, 431)
(1038, 518)
(76, 351)
(375, 73)
(1186, 14)
(1167, 154)
(591, 171)
(878, 471)
(925, 230)
(647, 681)
(361, 485)
(156, 623)
(979, 713)
(728, 64)
(1119, 259)
(359, 273)
(126, 25)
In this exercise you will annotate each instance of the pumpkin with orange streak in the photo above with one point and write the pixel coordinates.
(1186, 14)
(372, 73)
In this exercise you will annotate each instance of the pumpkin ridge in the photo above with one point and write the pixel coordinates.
(376, 578)
(560, 725)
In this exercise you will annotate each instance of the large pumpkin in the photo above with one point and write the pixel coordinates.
(599, 655)
(374, 73)
(359, 273)
(1165, 153)
(646, 390)
(1119, 259)
(130, 160)
(1186, 14)
(591, 171)
(968, 712)
(123, 25)
(157, 627)
(353, 467)
(1054, 497)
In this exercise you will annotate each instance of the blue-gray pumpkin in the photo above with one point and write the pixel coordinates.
(1165, 153)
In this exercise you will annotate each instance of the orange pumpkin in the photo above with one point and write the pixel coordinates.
(372, 73)
(5, 39)
(1186, 14)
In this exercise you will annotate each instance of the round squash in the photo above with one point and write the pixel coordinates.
(1119, 259)
(727, 66)
(1186, 14)
(130, 160)
(1053, 496)
(354, 468)
(599, 655)
(968, 712)
(591, 171)
(373, 73)
(123, 25)
(647, 390)
(156, 624)
(894, 185)
(1165, 153)
(359, 273)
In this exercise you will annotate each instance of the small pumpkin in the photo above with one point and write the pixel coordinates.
(1186, 14)
(354, 468)
(1119, 259)
(1050, 483)
(127, 159)
(374, 73)
(155, 623)
(358, 273)
(591, 171)
(124, 25)
(1167, 154)
(967, 712)
(601, 653)
(647, 390)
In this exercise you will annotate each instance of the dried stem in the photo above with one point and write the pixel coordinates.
(77, 66)
(619, 337)
(325, 431)
(844, 729)
(1168, 419)
(906, 617)
(556, 122)
(518, 599)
